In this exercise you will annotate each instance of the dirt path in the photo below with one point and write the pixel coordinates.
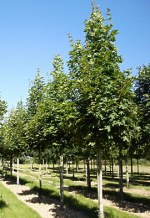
(48, 208)
(45, 207)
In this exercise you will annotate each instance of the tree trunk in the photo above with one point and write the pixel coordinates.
(18, 171)
(43, 165)
(69, 166)
(99, 181)
(120, 179)
(112, 168)
(2, 166)
(73, 169)
(127, 174)
(110, 164)
(105, 166)
(88, 179)
(138, 171)
(11, 165)
(131, 167)
(61, 182)
(40, 175)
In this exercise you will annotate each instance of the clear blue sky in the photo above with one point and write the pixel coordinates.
(32, 32)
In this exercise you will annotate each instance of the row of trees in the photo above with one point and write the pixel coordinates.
(94, 110)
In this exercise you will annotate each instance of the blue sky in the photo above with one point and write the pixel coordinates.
(32, 32)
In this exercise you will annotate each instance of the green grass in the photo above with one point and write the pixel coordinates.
(115, 213)
(11, 207)
(74, 200)
(76, 193)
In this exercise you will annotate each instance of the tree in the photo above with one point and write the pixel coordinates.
(34, 127)
(142, 91)
(101, 92)
(33, 131)
(35, 94)
(13, 131)
(52, 115)
(3, 110)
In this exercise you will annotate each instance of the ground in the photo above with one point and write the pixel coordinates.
(46, 207)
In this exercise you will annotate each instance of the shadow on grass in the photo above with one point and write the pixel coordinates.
(12, 180)
(83, 190)
(74, 178)
(49, 196)
(132, 202)
(111, 185)
(3, 204)
(140, 179)
(136, 203)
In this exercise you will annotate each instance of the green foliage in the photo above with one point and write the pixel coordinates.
(34, 129)
(102, 94)
(13, 131)
(142, 90)
(3, 109)
(35, 94)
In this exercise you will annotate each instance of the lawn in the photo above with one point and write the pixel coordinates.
(77, 195)
(11, 207)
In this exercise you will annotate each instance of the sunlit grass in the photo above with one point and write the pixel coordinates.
(11, 207)
(50, 185)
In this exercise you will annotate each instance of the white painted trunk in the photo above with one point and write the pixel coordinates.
(61, 182)
(99, 181)
(40, 181)
(127, 175)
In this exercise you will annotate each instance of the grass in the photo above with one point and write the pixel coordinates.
(77, 196)
(74, 200)
(114, 213)
(11, 207)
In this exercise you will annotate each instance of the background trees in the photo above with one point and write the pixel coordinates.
(142, 90)
(3, 110)
(13, 134)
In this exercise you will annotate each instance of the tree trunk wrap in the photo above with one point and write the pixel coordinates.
(61, 182)
(120, 178)
(99, 182)
(127, 174)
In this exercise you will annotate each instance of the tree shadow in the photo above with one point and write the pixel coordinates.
(72, 208)
(83, 190)
(74, 178)
(111, 185)
(131, 202)
(134, 203)
(3, 204)
(140, 179)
